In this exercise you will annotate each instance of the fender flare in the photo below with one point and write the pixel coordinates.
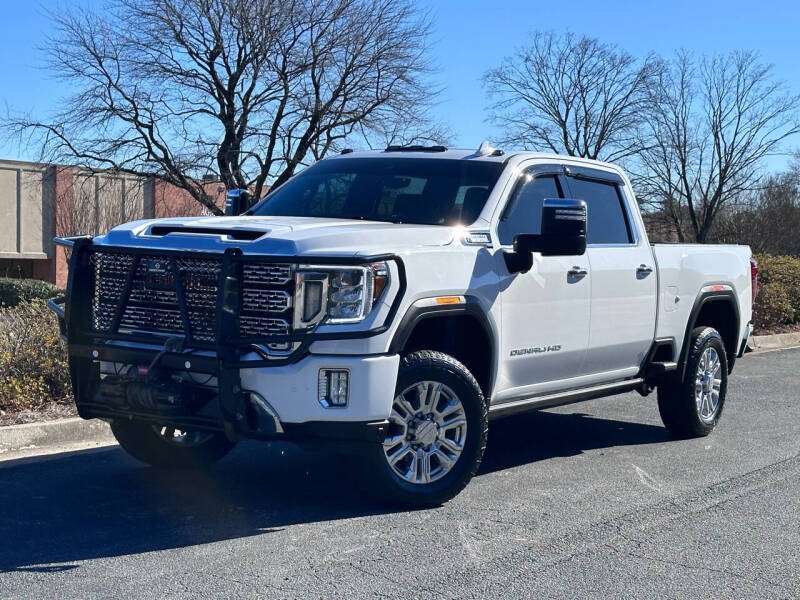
(471, 307)
(726, 296)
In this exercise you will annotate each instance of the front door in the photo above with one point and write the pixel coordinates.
(545, 312)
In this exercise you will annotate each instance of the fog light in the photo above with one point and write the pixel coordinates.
(333, 387)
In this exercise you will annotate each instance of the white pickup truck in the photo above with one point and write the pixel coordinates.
(392, 303)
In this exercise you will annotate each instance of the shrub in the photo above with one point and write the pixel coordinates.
(33, 361)
(14, 291)
(778, 301)
(773, 308)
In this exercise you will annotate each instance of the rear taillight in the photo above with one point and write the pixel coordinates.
(753, 278)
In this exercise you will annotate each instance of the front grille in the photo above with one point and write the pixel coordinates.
(156, 285)
(264, 273)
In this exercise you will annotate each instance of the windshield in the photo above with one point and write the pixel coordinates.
(401, 190)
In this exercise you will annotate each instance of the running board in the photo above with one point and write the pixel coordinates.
(561, 398)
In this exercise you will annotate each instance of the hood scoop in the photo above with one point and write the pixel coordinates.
(245, 235)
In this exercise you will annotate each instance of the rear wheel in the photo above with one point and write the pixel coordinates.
(437, 432)
(169, 447)
(692, 407)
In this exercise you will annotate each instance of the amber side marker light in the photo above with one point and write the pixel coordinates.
(449, 300)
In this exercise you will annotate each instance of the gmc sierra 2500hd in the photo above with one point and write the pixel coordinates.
(393, 302)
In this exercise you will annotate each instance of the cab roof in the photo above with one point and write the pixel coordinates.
(407, 153)
(472, 155)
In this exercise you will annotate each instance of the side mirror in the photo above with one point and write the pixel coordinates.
(563, 234)
(236, 202)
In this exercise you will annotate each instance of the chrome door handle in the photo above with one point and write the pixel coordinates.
(577, 271)
(643, 270)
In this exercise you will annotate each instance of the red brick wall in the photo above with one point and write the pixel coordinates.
(172, 201)
(62, 189)
(167, 201)
(161, 199)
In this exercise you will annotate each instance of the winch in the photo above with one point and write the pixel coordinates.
(163, 393)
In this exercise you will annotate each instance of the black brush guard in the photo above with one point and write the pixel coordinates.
(221, 357)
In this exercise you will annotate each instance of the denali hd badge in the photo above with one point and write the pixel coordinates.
(535, 350)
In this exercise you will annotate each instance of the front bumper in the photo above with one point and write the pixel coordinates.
(279, 402)
(228, 385)
(292, 390)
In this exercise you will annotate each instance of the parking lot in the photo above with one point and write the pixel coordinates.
(588, 500)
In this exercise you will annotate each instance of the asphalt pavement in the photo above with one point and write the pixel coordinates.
(588, 500)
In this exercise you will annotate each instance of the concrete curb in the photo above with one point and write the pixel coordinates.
(38, 437)
(775, 341)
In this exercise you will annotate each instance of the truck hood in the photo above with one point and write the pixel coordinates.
(289, 236)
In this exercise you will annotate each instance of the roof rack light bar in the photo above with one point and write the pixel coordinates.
(415, 148)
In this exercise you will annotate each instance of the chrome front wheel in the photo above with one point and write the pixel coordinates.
(436, 432)
(427, 433)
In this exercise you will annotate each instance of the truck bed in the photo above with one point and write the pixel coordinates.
(685, 270)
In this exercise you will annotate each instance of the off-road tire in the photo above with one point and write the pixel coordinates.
(676, 397)
(428, 365)
(143, 442)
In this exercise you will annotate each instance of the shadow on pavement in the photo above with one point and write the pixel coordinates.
(534, 436)
(102, 503)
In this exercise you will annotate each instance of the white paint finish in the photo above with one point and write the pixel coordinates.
(604, 322)
(670, 299)
(292, 389)
(623, 307)
(289, 236)
(451, 270)
(684, 269)
(543, 308)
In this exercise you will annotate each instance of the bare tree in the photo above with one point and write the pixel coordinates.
(88, 202)
(710, 125)
(91, 202)
(767, 222)
(572, 95)
(250, 90)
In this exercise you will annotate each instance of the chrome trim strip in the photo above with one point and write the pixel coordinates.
(265, 406)
(467, 238)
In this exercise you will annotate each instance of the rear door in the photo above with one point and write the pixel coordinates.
(545, 312)
(622, 273)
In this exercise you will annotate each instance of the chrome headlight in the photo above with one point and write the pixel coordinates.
(338, 294)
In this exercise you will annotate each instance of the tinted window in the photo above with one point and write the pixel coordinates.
(402, 190)
(605, 215)
(524, 212)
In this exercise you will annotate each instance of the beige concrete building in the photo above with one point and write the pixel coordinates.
(26, 219)
(40, 201)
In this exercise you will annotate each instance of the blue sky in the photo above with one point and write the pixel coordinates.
(471, 36)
